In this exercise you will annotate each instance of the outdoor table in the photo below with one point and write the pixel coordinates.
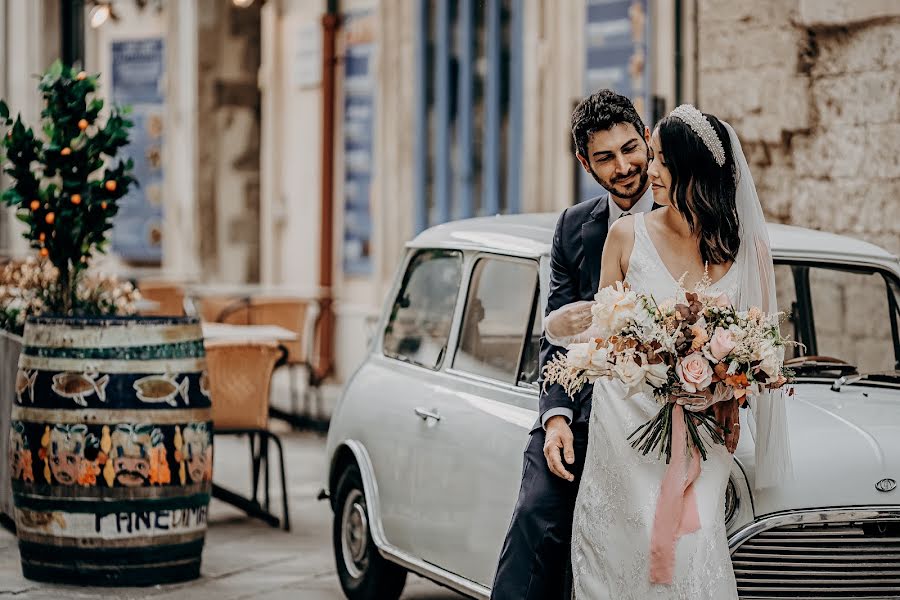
(216, 332)
(145, 305)
(247, 333)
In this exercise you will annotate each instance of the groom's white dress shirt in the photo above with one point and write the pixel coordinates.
(645, 204)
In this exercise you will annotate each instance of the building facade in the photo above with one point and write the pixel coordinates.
(444, 109)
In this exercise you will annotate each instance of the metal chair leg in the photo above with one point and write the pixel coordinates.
(295, 392)
(286, 521)
(255, 459)
(264, 449)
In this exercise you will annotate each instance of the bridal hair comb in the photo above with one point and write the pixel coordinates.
(694, 119)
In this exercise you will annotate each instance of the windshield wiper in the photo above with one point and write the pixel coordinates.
(884, 376)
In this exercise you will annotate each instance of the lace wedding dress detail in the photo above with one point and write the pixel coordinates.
(619, 487)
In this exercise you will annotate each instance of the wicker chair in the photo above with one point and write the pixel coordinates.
(210, 308)
(295, 314)
(170, 297)
(239, 377)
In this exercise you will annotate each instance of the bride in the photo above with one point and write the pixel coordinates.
(643, 529)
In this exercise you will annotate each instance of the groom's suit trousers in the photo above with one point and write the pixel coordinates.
(534, 561)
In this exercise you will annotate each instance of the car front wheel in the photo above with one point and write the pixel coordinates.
(363, 572)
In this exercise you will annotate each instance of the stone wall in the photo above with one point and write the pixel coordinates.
(812, 89)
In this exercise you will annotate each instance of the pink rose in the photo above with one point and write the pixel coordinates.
(721, 344)
(695, 373)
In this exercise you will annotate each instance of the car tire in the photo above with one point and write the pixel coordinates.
(364, 574)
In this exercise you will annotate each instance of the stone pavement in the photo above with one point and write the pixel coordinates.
(243, 558)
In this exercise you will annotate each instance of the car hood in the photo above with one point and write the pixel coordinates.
(842, 444)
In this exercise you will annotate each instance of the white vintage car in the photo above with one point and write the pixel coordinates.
(425, 446)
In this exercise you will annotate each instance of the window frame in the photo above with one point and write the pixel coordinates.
(450, 358)
(401, 280)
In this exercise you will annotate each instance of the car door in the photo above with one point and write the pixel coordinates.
(397, 379)
(467, 470)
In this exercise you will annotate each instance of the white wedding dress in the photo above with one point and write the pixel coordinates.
(619, 487)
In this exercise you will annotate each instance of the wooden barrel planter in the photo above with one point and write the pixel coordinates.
(111, 450)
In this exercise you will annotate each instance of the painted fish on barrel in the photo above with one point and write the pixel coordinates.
(25, 383)
(78, 386)
(204, 383)
(156, 389)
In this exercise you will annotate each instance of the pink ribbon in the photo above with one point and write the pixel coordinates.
(676, 509)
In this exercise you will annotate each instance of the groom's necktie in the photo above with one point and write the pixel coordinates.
(624, 214)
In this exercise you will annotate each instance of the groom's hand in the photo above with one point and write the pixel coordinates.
(559, 437)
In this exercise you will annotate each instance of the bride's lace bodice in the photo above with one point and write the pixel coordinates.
(648, 274)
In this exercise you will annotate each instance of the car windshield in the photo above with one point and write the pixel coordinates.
(844, 317)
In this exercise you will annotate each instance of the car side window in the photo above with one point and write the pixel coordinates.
(422, 313)
(497, 315)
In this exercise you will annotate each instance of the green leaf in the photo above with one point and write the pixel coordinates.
(56, 69)
(4, 110)
(24, 217)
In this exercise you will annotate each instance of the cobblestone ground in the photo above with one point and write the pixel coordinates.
(243, 558)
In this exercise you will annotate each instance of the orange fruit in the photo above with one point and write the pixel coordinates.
(111, 185)
(50, 218)
(42, 236)
(35, 204)
(76, 199)
(44, 252)
(82, 124)
(66, 151)
(103, 205)
(81, 76)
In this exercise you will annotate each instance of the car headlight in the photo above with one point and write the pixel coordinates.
(731, 501)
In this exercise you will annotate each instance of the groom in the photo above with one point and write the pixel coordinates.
(612, 144)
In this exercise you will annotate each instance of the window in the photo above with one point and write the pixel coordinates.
(469, 112)
(845, 314)
(422, 313)
(498, 313)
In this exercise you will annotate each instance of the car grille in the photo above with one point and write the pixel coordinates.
(834, 560)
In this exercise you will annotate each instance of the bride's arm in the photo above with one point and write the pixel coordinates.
(571, 323)
(617, 248)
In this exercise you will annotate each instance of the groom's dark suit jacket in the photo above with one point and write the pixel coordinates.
(574, 275)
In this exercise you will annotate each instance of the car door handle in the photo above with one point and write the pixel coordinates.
(428, 414)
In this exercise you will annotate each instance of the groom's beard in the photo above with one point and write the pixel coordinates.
(628, 192)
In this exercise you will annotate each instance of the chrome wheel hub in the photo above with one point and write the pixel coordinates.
(355, 534)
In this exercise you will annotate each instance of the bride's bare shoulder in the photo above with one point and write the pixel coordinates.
(622, 232)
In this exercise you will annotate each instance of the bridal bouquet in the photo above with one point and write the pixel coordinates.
(693, 354)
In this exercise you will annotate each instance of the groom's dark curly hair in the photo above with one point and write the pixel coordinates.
(599, 112)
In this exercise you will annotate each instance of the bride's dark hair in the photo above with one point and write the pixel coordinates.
(701, 190)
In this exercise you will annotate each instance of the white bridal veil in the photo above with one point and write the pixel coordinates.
(757, 288)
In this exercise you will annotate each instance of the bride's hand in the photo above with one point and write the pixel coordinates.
(702, 400)
(696, 402)
(570, 320)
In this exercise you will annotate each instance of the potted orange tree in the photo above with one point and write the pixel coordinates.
(109, 414)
